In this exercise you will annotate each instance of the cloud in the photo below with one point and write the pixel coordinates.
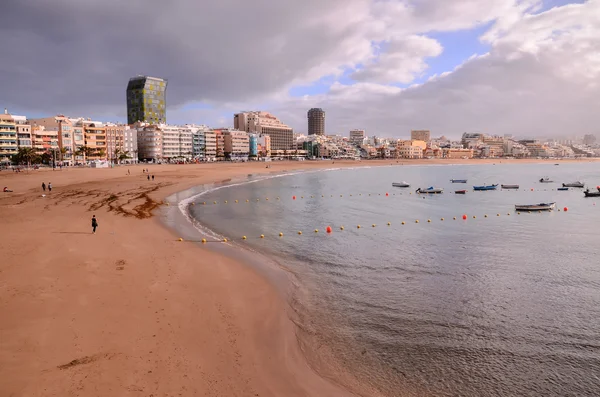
(76, 57)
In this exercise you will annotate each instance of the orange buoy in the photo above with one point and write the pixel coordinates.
(293, 197)
(328, 229)
(464, 217)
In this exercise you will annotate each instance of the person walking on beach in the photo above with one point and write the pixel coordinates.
(152, 177)
(148, 177)
(94, 224)
(49, 186)
(43, 186)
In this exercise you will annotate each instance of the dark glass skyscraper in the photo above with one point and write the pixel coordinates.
(316, 121)
(146, 100)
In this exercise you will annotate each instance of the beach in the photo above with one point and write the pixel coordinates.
(131, 310)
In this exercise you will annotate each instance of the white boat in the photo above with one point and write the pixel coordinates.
(545, 180)
(535, 207)
(509, 186)
(574, 184)
(400, 184)
(429, 190)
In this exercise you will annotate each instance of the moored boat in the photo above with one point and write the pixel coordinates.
(486, 187)
(460, 192)
(545, 180)
(562, 188)
(429, 190)
(574, 184)
(509, 186)
(458, 180)
(587, 193)
(535, 207)
(400, 184)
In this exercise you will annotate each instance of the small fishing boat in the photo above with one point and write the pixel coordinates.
(545, 180)
(486, 187)
(429, 190)
(535, 207)
(458, 180)
(574, 184)
(509, 186)
(400, 184)
(460, 192)
(562, 188)
(587, 193)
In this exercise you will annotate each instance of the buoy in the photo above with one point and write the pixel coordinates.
(328, 229)
(403, 222)
(280, 234)
(341, 195)
(485, 216)
(262, 236)
(387, 194)
(301, 197)
(373, 225)
(299, 232)
(267, 199)
(565, 209)
(180, 239)
(497, 214)
(204, 202)
(243, 237)
(167, 204)
(389, 223)
(465, 217)
(417, 221)
(454, 218)
(247, 201)
(311, 196)
(293, 197)
(358, 226)
(316, 230)
(442, 219)
(508, 213)
(473, 216)
(429, 220)
(518, 213)
(225, 201)
(224, 240)
(341, 227)
(214, 202)
(532, 190)
(277, 198)
(236, 201)
(257, 199)
(203, 240)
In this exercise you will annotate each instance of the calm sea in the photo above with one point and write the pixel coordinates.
(504, 305)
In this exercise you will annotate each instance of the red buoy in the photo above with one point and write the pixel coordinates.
(328, 229)
(465, 217)
(387, 194)
(565, 209)
(293, 197)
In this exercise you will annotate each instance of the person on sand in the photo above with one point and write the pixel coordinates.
(94, 224)
(148, 177)
(152, 177)
(49, 186)
(7, 190)
(43, 186)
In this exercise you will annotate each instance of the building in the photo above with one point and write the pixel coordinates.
(455, 153)
(412, 149)
(264, 123)
(357, 137)
(149, 140)
(253, 145)
(264, 143)
(23, 131)
(589, 139)
(236, 144)
(420, 135)
(198, 140)
(8, 136)
(177, 142)
(147, 100)
(210, 145)
(43, 140)
(316, 121)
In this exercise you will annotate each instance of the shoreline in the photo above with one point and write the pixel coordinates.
(131, 308)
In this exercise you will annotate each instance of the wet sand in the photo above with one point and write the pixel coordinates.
(131, 310)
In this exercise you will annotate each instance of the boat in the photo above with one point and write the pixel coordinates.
(486, 187)
(587, 193)
(429, 190)
(400, 184)
(460, 191)
(509, 186)
(574, 184)
(535, 207)
(458, 180)
(562, 188)
(545, 180)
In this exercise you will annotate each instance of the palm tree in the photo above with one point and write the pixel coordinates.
(124, 156)
(63, 151)
(117, 155)
(27, 154)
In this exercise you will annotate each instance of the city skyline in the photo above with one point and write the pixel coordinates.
(500, 67)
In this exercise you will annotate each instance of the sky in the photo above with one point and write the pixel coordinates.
(521, 67)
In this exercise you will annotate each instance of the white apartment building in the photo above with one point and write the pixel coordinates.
(236, 144)
(210, 145)
(357, 137)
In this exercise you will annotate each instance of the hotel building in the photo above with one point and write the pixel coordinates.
(357, 137)
(420, 135)
(8, 136)
(264, 123)
(146, 100)
(236, 144)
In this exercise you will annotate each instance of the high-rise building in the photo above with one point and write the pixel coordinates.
(237, 144)
(589, 139)
(420, 135)
(316, 121)
(146, 100)
(8, 136)
(264, 123)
